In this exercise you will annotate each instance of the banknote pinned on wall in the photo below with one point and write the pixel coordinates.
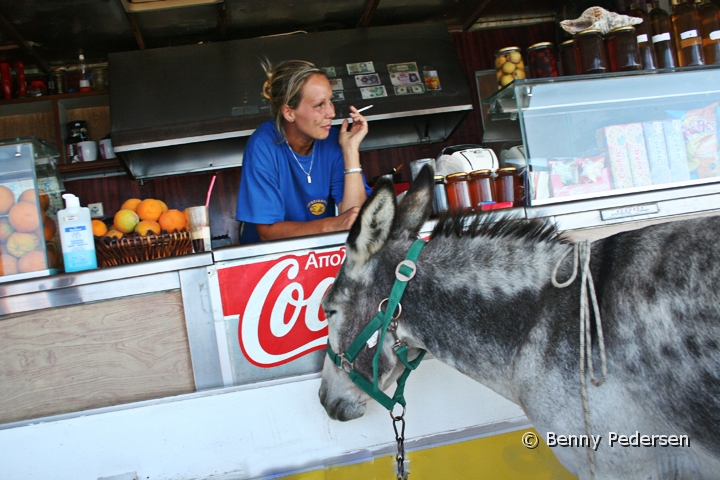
(373, 92)
(336, 84)
(407, 78)
(367, 80)
(402, 67)
(409, 89)
(360, 68)
(329, 72)
(337, 96)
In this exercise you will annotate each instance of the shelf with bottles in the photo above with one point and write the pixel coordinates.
(603, 135)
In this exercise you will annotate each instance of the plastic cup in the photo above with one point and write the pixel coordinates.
(199, 220)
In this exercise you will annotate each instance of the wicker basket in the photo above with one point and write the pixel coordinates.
(136, 248)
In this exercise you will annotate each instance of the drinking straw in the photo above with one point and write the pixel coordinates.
(212, 182)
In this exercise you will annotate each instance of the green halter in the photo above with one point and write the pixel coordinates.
(381, 323)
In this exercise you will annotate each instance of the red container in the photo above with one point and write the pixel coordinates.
(542, 61)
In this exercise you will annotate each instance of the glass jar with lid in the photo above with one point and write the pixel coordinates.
(481, 188)
(542, 61)
(509, 65)
(567, 57)
(508, 187)
(440, 199)
(590, 56)
(458, 191)
(623, 52)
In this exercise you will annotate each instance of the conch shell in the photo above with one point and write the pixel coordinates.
(598, 17)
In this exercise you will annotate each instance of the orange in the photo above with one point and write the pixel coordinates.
(149, 209)
(49, 228)
(7, 199)
(125, 220)
(24, 217)
(10, 264)
(146, 226)
(5, 230)
(112, 233)
(131, 204)
(20, 243)
(164, 206)
(32, 261)
(29, 196)
(172, 220)
(99, 228)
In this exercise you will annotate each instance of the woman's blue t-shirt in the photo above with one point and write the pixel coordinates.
(273, 187)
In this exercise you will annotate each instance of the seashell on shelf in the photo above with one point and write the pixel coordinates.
(598, 17)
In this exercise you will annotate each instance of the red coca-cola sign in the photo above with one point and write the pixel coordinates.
(279, 304)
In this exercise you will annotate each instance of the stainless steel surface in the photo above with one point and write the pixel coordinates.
(133, 270)
(93, 292)
(197, 306)
(212, 94)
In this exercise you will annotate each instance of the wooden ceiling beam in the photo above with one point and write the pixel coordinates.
(25, 46)
(368, 14)
(475, 15)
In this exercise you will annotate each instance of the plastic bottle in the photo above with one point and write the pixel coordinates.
(688, 43)
(76, 237)
(21, 82)
(662, 36)
(83, 69)
(709, 18)
(645, 46)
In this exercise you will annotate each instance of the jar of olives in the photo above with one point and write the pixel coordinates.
(509, 65)
(541, 59)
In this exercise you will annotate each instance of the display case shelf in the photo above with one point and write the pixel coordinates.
(595, 136)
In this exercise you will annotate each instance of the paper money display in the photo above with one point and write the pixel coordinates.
(337, 96)
(329, 71)
(402, 67)
(405, 78)
(432, 81)
(409, 89)
(360, 68)
(367, 80)
(373, 92)
(336, 83)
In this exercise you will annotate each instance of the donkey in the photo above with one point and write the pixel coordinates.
(485, 300)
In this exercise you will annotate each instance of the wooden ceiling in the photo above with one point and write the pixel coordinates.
(45, 34)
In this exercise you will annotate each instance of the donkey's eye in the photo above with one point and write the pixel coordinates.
(330, 313)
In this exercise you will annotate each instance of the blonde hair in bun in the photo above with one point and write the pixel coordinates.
(284, 85)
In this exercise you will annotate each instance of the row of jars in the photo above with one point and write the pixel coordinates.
(690, 36)
(479, 190)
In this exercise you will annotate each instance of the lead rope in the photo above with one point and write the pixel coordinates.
(400, 440)
(582, 253)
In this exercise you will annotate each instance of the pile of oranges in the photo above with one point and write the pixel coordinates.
(142, 217)
(26, 232)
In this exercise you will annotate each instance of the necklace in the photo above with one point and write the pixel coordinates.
(312, 159)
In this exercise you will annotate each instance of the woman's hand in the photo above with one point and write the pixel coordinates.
(351, 136)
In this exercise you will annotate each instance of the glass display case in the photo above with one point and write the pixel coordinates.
(30, 196)
(603, 135)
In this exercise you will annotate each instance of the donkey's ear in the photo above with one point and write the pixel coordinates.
(372, 226)
(416, 207)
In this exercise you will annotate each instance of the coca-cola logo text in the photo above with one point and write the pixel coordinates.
(279, 304)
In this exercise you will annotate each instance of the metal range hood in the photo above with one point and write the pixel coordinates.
(190, 109)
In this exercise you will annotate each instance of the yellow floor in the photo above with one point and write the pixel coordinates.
(490, 458)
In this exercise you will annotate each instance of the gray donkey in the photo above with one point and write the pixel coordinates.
(496, 300)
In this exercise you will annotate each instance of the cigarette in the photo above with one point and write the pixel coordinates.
(365, 108)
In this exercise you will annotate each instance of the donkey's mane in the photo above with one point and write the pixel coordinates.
(493, 225)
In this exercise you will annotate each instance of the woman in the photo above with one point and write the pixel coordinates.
(297, 168)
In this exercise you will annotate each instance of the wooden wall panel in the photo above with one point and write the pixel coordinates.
(40, 125)
(93, 355)
(476, 51)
